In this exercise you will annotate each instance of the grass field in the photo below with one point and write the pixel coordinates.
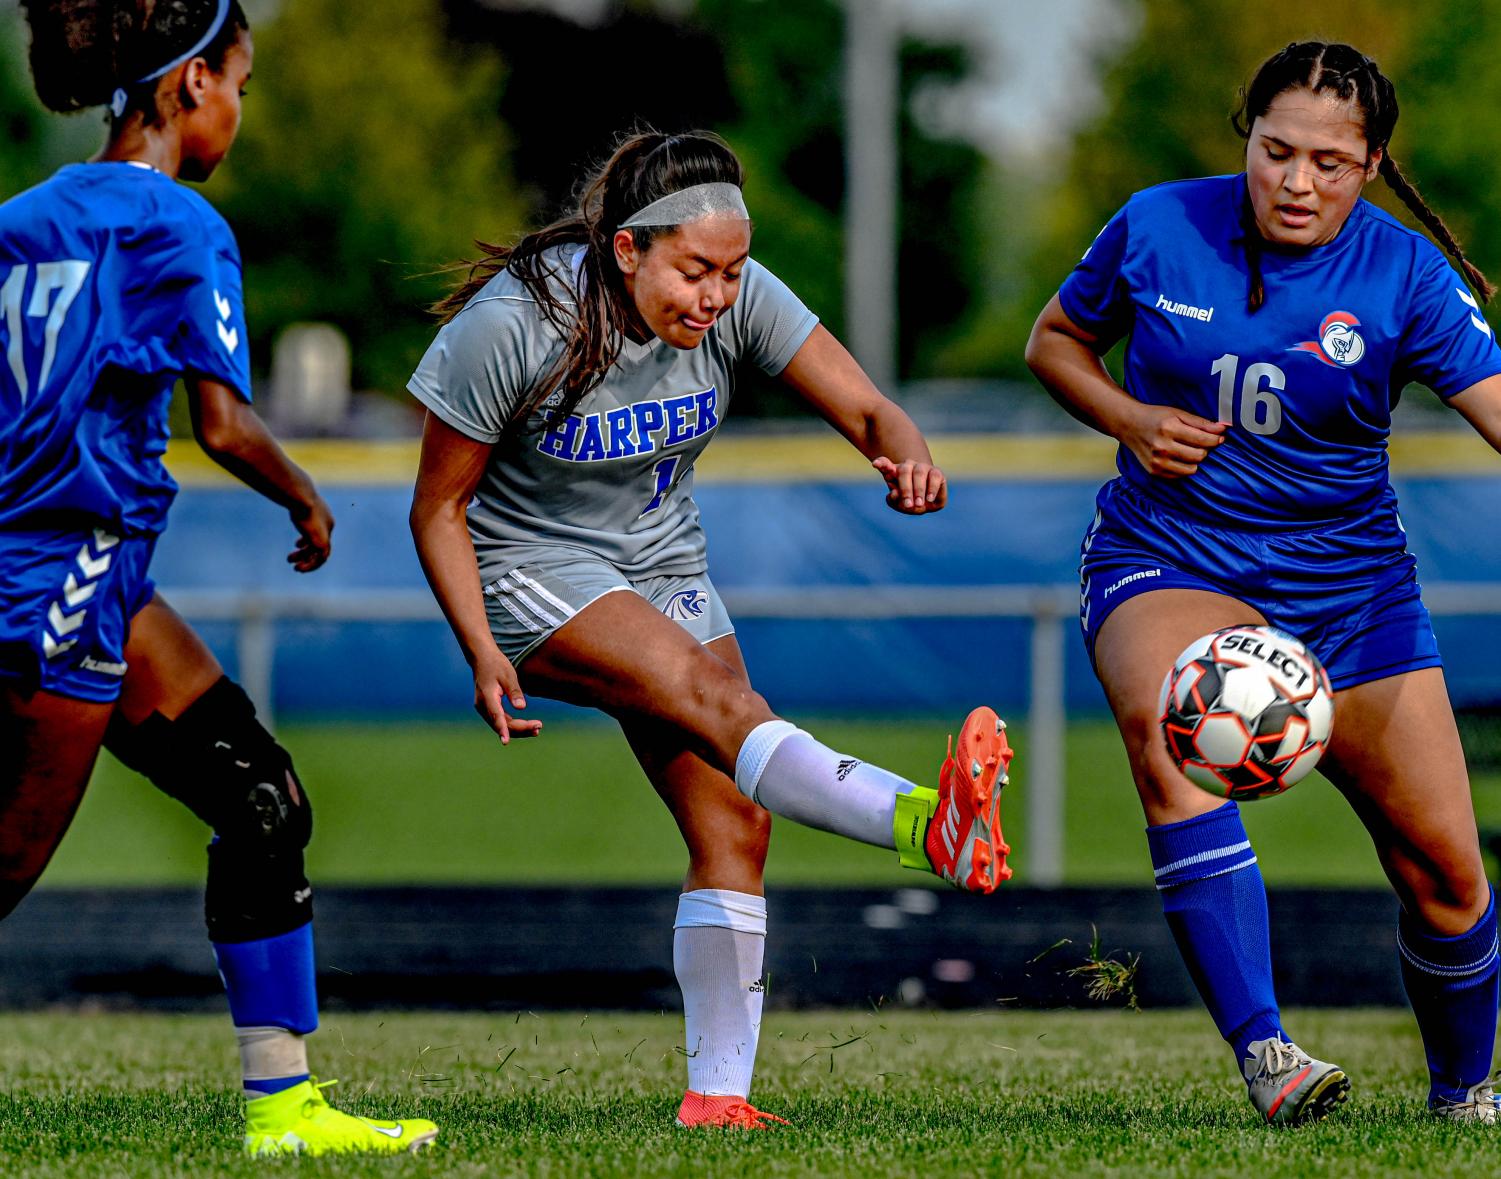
(445, 803)
(871, 1094)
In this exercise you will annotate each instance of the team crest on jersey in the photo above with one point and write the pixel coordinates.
(1339, 344)
(686, 605)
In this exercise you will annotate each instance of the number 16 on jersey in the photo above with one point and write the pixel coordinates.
(1260, 411)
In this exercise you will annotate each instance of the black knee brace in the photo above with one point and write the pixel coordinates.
(219, 761)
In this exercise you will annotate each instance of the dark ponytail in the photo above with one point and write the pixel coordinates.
(644, 167)
(83, 50)
(1434, 224)
(1350, 76)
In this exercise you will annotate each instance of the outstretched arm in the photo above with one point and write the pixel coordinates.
(1168, 442)
(826, 376)
(233, 435)
(447, 474)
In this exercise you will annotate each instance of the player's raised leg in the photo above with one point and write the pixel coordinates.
(192, 731)
(1422, 821)
(595, 658)
(1212, 891)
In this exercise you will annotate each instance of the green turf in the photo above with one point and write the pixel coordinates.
(872, 1094)
(446, 803)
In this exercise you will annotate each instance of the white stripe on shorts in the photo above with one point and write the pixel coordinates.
(538, 612)
(496, 592)
(542, 592)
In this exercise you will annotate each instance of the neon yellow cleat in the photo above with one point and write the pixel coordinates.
(300, 1121)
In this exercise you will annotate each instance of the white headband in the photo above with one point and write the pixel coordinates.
(120, 98)
(691, 204)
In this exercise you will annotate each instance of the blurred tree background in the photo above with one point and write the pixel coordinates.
(381, 139)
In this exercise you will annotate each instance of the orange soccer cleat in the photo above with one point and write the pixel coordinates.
(955, 831)
(731, 1113)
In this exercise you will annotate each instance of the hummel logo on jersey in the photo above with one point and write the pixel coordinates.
(66, 615)
(228, 336)
(642, 428)
(846, 768)
(1475, 317)
(1339, 344)
(1187, 310)
(103, 666)
(686, 605)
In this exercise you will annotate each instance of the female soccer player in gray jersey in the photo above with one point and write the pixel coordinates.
(576, 379)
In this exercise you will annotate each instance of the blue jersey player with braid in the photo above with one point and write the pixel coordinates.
(116, 281)
(1273, 318)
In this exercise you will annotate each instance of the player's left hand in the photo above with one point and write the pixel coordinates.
(315, 527)
(912, 488)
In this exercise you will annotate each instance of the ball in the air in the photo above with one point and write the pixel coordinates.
(1247, 711)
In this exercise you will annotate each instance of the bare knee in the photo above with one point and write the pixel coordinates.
(723, 708)
(1449, 897)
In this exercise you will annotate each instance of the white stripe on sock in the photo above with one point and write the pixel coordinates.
(1477, 967)
(1210, 875)
(1189, 861)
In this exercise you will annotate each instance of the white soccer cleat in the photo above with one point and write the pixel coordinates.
(1480, 1104)
(1289, 1087)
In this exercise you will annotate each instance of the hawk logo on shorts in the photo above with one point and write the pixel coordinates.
(686, 605)
(1339, 344)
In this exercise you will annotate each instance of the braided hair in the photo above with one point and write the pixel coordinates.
(1351, 76)
(644, 167)
(83, 50)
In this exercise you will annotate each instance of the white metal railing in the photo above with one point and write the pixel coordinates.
(1050, 609)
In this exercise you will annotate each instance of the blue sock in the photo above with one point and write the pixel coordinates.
(1215, 902)
(1452, 984)
(274, 1003)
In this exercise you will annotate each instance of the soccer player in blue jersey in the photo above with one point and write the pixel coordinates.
(116, 281)
(578, 377)
(1273, 318)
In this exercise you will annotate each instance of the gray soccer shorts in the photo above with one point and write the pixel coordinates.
(550, 585)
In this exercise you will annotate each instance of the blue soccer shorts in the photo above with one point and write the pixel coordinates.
(1348, 589)
(66, 601)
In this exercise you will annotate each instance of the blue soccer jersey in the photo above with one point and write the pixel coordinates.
(114, 281)
(1308, 382)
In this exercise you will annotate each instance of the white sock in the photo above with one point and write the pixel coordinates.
(270, 1055)
(793, 775)
(718, 945)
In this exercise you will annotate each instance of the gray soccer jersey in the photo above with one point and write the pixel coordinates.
(616, 478)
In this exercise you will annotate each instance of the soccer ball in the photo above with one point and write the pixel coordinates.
(1247, 711)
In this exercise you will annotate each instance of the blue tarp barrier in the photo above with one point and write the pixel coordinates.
(773, 535)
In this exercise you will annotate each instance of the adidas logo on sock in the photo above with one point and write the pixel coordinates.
(846, 768)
